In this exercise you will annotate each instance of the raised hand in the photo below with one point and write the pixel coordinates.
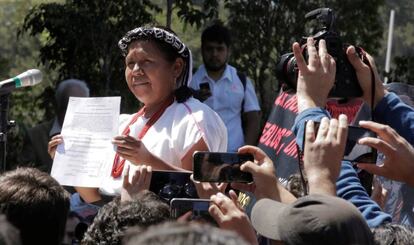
(323, 153)
(363, 72)
(399, 154)
(141, 180)
(315, 78)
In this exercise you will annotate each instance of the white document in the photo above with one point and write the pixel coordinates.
(85, 157)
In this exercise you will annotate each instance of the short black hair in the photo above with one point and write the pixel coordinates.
(36, 204)
(216, 33)
(115, 217)
(181, 233)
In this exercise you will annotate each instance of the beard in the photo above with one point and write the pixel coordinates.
(214, 67)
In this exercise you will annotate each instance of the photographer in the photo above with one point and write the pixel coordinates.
(312, 91)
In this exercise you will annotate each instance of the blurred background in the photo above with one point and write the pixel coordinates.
(78, 39)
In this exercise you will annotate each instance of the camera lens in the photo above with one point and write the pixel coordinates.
(190, 190)
(169, 191)
(286, 70)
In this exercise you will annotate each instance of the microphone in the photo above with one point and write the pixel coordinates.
(27, 78)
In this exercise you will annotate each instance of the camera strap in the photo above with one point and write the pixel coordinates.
(366, 61)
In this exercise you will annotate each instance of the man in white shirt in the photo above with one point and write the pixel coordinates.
(228, 92)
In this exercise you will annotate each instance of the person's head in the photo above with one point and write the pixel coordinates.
(215, 47)
(115, 217)
(313, 219)
(158, 64)
(66, 89)
(9, 235)
(393, 234)
(36, 204)
(181, 233)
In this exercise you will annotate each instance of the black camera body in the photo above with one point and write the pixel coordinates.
(346, 83)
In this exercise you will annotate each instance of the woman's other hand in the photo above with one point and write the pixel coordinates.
(53, 143)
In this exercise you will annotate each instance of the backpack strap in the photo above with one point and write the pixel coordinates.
(243, 79)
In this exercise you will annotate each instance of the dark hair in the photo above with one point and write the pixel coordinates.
(36, 204)
(171, 46)
(393, 234)
(9, 235)
(295, 185)
(181, 233)
(216, 33)
(67, 88)
(115, 217)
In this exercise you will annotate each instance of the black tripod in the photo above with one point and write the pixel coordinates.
(5, 126)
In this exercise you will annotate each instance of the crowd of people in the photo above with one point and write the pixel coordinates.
(332, 207)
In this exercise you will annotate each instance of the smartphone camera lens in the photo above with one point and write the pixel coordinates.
(190, 190)
(170, 191)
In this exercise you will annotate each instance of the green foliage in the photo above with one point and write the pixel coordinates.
(18, 54)
(81, 39)
(190, 13)
(264, 30)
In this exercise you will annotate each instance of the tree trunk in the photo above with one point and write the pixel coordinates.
(169, 12)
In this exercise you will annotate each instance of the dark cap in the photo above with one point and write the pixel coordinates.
(314, 219)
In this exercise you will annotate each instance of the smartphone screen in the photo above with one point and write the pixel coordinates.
(221, 167)
(198, 207)
(172, 184)
(355, 152)
(205, 87)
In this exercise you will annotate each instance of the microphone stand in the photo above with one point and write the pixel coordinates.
(5, 126)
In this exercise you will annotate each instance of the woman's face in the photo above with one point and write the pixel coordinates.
(150, 77)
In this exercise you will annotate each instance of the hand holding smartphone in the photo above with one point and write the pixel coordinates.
(221, 167)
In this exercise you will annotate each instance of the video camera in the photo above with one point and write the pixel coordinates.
(346, 83)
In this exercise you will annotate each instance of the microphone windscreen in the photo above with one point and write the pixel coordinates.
(30, 78)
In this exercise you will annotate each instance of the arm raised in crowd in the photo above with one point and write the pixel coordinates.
(399, 154)
(348, 185)
(316, 78)
(141, 180)
(388, 107)
(323, 154)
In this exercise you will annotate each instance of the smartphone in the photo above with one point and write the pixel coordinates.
(355, 152)
(221, 167)
(172, 184)
(205, 87)
(198, 207)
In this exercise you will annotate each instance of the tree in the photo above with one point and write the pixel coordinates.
(18, 54)
(264, 30)
(81, 37)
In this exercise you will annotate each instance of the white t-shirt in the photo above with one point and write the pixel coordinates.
(173, 134)
(227, 98)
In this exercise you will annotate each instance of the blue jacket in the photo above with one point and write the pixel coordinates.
(399, 116)
(348, 185)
